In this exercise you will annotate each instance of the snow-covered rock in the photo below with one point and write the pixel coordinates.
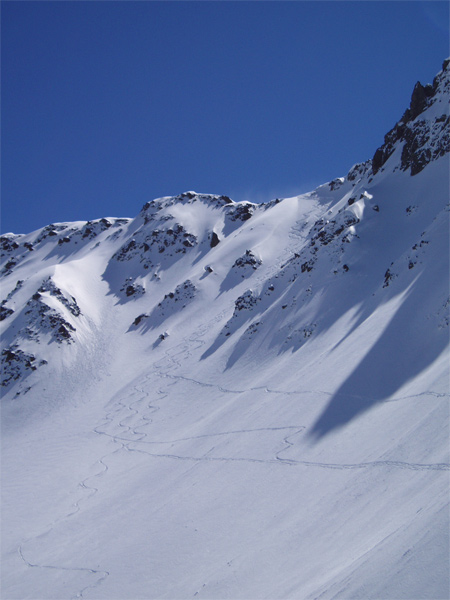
(221, 399)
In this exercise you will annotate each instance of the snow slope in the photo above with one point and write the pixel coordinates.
(231, 400)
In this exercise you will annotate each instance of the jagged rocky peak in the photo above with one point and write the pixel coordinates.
(151, 208)
(159, 210)
(424, 96)
(425, 137)
(419, 101)
(191, 197)
(185, 198)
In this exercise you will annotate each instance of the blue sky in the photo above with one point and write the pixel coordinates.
(106, 105)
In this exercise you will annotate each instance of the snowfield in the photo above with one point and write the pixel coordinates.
(227, 400)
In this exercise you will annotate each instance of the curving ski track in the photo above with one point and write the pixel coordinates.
(131, 438)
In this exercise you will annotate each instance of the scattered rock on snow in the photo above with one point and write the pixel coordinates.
(247, 260)
(132, 289)
(16, 363)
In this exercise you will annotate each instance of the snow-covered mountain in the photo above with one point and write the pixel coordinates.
(222, 399)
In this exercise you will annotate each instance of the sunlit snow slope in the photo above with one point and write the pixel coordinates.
(238, 401)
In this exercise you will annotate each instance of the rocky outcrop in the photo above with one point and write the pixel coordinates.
(69, 302)
(16, 364)
(359, 170)
(6, 311)
(132, 289)
(246, 302)
(241, 212)
(214, 240)
(248, 260)
(43, 319)
(425, 142)
(145, 246)
(426, 139)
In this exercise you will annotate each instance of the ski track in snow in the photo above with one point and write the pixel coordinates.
(93, 490)
(104, 574)
(139, 438)
(137, 418)
(128, 421)
(182, 350)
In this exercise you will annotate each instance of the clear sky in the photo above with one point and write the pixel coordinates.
(106, 105)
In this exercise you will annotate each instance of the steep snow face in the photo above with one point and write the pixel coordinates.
(229, 400)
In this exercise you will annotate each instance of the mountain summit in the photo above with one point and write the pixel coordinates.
(222, 399)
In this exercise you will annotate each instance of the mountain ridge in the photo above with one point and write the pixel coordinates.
(222, 399)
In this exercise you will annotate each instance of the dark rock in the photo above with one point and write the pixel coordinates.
(173, 240)
(336, 184)
(424, 140)
(248, 259)
(49, 286)
(241, 212)
(214, 239)
(63, 331)
(139, 319)
(18, 286)
(388, 277)
(419, 99)
(425, 143)
(47, 320)
(16, 363)
(51, 230)
(384, 152)
(125, 252)
(63, 240)
(9, 267)
(378, 160)
(359, 170)
(5, 312)
(184, 292)
(245, 302)
(8, 245)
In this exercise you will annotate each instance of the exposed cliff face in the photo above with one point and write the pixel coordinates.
(423, 130)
